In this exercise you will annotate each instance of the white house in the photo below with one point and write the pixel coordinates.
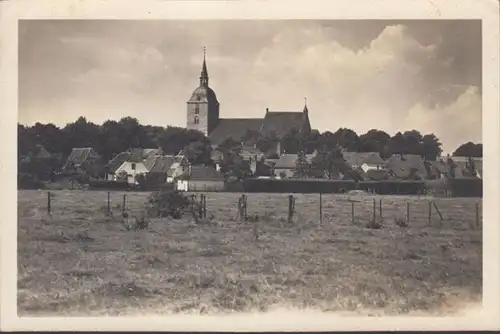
(132, 169)
(201, 178)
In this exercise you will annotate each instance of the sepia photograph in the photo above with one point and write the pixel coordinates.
(215, 166)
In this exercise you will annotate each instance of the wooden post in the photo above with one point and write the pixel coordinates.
(437, 209)
(204, 206)
(430, 213)
(290, 208)
(477, 215)
(374, 210)
(320, 208)
(124, 202)
(109, 207)
(245, 203)
(239, 208)
(408, 212)
(380, 208)
(352, 211)
(48, 203)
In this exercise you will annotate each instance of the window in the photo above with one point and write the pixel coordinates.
(133, 166)
(196, 120)
(197, 110)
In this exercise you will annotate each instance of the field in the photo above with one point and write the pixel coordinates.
(79, 261)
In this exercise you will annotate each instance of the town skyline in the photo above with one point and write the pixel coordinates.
(391, 76)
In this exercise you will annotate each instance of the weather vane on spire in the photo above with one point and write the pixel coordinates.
(305, 100)
(204, 52)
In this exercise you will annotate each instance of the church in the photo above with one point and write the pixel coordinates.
(203, 114)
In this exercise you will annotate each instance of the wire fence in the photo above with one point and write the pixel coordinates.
(316, 208)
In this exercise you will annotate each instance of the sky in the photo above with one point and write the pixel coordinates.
(359, 74)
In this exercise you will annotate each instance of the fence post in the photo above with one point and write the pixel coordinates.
(109, 208)
(290, 208)
(124, 202)
(320, 208)
(374, 210)
(204, 206)
(430, 213)
(477, 215)
(245, 202)
(439, 212)
(380, 208)
(408, 212)
(48, 203)
(352, 211)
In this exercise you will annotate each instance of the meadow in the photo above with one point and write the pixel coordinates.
(81, 261)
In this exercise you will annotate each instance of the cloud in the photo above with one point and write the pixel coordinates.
(455, 123)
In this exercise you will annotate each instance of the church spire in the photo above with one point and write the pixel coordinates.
(204, 72)
(305, 105)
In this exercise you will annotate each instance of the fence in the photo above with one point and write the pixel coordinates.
(321, 208)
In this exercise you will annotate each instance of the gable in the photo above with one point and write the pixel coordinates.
(162, 164)
(234, 128)
(282, 122)
(80, 155)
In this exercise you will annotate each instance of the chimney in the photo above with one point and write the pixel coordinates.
(267, 110)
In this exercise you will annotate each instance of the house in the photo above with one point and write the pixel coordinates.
(131, 170)
(81, 158)
(250, 153)
(178, 168)
(407, 166)
(285, 166)
(373, 174)
(438, 170)
(159, 166)
(364, 160)
(201, 178)
(133, 155)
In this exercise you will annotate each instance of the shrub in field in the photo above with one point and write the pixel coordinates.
(401, 222)
(374, 224)
(167, 203)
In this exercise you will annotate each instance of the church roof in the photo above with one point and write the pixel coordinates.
(234, 128)
(203, 94)
(281, 122)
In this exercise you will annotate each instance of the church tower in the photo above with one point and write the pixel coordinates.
(203, 107)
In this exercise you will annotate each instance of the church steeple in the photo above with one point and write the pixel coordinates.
(305, 105)
(204, 72)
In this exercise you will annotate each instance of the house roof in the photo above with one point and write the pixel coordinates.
(173, 167)
(440, 166)
(286, 161)
(161, 163)
(377, 174)
(281, 122)
(117, 161)
(359, 158)
(203, 173)
(234, 128)
(80, 155)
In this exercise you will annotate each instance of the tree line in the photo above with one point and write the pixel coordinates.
(113, 137)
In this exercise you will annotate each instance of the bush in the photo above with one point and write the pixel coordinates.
(167, 203)
(401, 222)
(27, 181)
(104, 184)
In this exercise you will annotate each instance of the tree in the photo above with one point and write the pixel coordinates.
(229, 144)
(199, 153)
(469, 149)
(267, 143)
(374, 141)
(347, 139)
(251, 137)
(301, 166)
(330, 161)
(431, 147)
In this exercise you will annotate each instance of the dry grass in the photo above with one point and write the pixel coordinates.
(81, 262)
